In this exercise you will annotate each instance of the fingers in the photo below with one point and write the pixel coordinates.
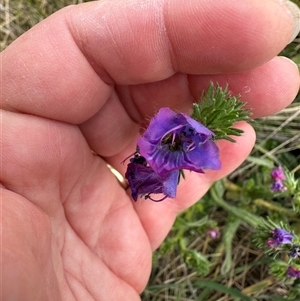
(189, 37)
(64, 67)
(266, 90)
(157, 218)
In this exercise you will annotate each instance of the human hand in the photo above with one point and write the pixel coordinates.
(87, 78)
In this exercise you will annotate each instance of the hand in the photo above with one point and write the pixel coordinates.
(87, 78)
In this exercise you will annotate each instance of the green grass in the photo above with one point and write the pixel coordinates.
(189, 265)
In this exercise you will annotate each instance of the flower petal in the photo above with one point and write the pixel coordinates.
(144, 181)
(176, 141)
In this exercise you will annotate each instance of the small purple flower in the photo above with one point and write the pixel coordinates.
(175, 141)
(144, 181)
(278, 186)
(280, 237)
(295, 252)
(212, 233)
(293, 272)
(277, 174)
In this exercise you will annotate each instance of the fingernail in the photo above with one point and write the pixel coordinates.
(294, 11)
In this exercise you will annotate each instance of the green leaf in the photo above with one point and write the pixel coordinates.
(196, 260)
(262, 162)
(218, 110)
(229, 233)
(244, 215)
(223, 289)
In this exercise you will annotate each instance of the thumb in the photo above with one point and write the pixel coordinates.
(73, 58)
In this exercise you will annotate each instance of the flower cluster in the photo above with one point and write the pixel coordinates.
(293, 272)
(280, 237)
(144, 181)
(281, 243)
(278, 176)
(173, 142)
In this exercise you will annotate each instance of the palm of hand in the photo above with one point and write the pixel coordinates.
(77, 213)
(90, 234)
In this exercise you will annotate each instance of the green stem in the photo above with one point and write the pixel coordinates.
(273, 207)
(229, 234)
(244, 215)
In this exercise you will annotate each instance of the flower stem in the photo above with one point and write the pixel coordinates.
(273, 207)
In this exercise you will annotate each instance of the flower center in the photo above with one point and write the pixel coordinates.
(179, 138)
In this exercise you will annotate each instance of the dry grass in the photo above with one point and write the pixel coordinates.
(17, 16)
(173, 279)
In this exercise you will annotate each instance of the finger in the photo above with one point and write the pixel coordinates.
(279, 77)
(266, 90)
(158, 218)
(71, 60)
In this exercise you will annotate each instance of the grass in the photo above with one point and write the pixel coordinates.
(190, 265)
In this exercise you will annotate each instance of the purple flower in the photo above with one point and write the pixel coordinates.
(278, 186)
(280, 237)
(144, 181)
(175, 141)
(295, 252)
(212, 233)
(277, 174)
(293, 272)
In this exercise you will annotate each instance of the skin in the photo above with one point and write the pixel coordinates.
(89, 77)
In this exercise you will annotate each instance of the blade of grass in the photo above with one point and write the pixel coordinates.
(229, 234)
(223, 289)
(244, 215)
